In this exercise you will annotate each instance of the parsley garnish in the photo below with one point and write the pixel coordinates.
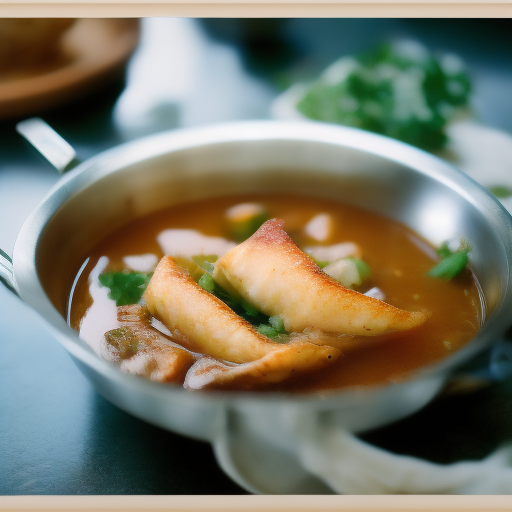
(452, 263)
(400, 90)
(125, 287)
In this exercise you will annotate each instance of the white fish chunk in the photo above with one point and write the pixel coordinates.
(376, 293)
(141, 262)
(344, 271)
(190, 242)
(320, 227)
(333, 252)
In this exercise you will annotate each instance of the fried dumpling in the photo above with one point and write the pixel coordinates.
(279, 365)
(204, 323)
(272, 273)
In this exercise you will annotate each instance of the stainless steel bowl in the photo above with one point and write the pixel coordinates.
(353, 166)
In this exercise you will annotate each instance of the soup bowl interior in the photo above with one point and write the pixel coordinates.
(354, 167)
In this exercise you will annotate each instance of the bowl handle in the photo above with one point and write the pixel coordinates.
(257, 464)
(6, 272)
(49, 143)
(58, 152)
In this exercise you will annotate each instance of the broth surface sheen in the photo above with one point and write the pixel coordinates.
(398, 258)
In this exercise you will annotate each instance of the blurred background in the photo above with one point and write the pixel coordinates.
(103, 82)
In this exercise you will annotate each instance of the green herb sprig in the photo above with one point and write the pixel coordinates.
(272, 327)
(400, 90)
(125, 287)
(452, 262)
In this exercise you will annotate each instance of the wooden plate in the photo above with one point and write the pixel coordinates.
(93, 52)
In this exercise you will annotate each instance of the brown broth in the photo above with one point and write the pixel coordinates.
(397, 256)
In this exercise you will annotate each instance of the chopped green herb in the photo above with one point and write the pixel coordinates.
(267, 330)
(501, 192)
(125, 287)
(277, 323)
(274, 329)
(320, 264)
(450, 266)
(362, 267)
(249, 308)
(205, 261)
(276, 335)
(444, 251)
(399, 90)
(244, 219)
(453, 263)
(207, 282)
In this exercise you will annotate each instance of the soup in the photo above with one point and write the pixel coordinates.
(380, 263)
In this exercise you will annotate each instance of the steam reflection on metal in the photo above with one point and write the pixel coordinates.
(440, 220)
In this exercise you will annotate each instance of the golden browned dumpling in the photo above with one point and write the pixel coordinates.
(204, 322)
(286, 361)
(272, 273)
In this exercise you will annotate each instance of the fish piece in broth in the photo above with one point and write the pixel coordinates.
(214, 329)
(143, 350)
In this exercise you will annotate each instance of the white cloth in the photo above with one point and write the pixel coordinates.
(351, 466)
(322, 457)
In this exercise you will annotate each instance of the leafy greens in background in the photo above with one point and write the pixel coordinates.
(501, 191)
(400, 90)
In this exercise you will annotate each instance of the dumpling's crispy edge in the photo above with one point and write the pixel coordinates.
(271, 239)
(293, 359)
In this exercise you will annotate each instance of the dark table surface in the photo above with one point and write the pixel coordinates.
(57, 434)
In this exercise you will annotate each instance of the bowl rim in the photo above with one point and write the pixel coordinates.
(124, 155)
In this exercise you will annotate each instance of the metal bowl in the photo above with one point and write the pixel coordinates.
(367, 170)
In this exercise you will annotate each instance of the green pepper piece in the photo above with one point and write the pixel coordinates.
(450, 266)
